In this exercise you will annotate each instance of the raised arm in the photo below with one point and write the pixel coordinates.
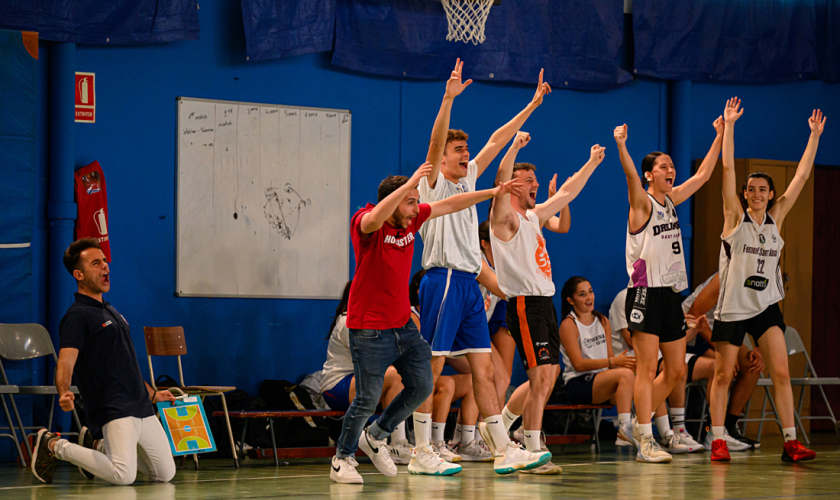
(560, 223)
(461, 201)
(505, 172)
(684, 191)
(373, 220)
(803, 171)
(63, 375)
(639, 204)
(501, 136)
(437, 145)
(571, 188)
(732, 209)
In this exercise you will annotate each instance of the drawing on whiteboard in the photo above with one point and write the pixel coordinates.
(283, 210)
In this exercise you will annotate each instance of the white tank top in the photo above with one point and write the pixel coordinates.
(655, 255)
(522, 264)
(593, 345)
(750, 276)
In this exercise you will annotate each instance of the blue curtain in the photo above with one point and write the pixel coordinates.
(130, 22)
(828, 40)
(284, 28)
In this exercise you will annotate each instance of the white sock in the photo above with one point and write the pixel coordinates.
(456, 438)
(398, 434)
(646, 429)
(789, 433)
(508, 417)
(467, 434)
(497, 429)
(663, 424)
(677, 418)
(718, 432)
(532, 441)
(623, 418)
(437, 431)
(422, 429)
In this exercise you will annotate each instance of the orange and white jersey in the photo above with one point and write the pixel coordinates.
(523, 267)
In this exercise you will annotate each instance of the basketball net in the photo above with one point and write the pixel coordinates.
(466, 19)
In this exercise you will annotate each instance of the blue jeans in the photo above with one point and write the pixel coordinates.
(373, 351)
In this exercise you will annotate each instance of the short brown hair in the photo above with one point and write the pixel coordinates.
(390, 184)
(455, 135)
(522, 166)
(73, 254)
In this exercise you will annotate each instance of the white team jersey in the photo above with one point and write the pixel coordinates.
(339, 362)
(750, 276)
(593, 345)
(655, 255)
(451, 241)
(522, 264)
(485, 292)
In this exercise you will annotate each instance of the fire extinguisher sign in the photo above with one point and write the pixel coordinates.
(85, 98)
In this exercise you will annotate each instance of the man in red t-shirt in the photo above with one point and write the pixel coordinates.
(381, 331)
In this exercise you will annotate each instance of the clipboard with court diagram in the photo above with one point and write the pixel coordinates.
(186, 426)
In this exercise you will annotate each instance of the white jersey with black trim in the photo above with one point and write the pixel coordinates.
(593, 345)
(522, 264)
(654, 253)
(750, 274)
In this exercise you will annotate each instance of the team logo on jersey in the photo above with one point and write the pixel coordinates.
(774, 238)
(761, 238)
(542, 260)
(637, 316)
(756, 283)
(106, 323)
(660, 215)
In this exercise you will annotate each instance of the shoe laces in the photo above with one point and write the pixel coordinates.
(650, 446)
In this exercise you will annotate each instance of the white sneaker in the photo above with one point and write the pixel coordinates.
(487, 437)
(731, 443)
(378, 452)
(426, 461)
(626, 432)
(686, 439)
(446, 452)
(549, 469)
(516, 457)
(519, 435)
(400, 452)
(621, 442)
(343, 470)
(476, 451)
(673, 444)
(649, 451)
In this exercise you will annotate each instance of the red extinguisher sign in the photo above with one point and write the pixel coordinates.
(85, 97)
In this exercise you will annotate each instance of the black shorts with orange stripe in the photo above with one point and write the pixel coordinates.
(532, 321)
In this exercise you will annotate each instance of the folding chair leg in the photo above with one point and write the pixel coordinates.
(763, 412)
(20, 425)
(776, 413)
(596, 417)
(565, 430)
(797, 412)
(273, 442)
(827, 405)
(230, 432)
(12, 431)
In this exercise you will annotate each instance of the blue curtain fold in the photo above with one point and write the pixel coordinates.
(285, 28)
(828, 40)
(121, 22)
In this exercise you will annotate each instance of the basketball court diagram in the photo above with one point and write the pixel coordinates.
(186, 427)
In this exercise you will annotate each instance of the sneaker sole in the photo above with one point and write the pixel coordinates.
(447, 472)
(721, 459)
(35, 451)
(365, 447)
(341, 481)
(787, 458)
(662, 460)
(539, 463)
(557, 470)
(476, 459)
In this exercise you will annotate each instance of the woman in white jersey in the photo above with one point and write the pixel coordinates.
(656, 265)
(751, 284)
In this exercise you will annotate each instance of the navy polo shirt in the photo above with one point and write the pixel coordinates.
(106, 372)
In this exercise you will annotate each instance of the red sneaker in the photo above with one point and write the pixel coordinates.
(795, 452)
(720, 452)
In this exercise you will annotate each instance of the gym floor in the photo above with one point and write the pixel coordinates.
(613, 474)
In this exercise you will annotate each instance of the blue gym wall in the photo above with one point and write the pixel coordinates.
(244, 341)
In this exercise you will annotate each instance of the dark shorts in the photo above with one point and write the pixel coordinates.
(338, 398)
(579, 389)
(497, 319)
(657, 311)
(734, 331)
(532, 321)
(690, 361)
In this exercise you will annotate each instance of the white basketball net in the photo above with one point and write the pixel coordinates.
(466, 19)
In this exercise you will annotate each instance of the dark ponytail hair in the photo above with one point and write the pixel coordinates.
(484, 231)
(647, 165)
(758, 175)
(568, 290)
(342, 306)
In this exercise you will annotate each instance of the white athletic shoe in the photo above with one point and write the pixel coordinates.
(426, 461)
(516, 457)
(446, 452)
(343, 470)
(378, 452)
(672, 444)
(549, 469)
(519, 437)
(686, 439)
(476, 451)
(731, 443)
(627, 432)
(487, 437)
(649, 451)
(621, 442)
(400, 452)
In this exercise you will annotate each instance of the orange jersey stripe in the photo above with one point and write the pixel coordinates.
(527, 344)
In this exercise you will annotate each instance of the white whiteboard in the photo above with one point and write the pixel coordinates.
(263, 207)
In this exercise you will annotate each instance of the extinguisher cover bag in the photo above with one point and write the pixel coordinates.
(92, 200)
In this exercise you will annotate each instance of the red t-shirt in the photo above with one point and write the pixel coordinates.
(379, 293)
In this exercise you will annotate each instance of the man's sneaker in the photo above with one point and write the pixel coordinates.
(519, 435)
(446, 452)
(621, 442)
(720, 452)
(378, 452)
(549, 469)
(731, 443)
(795, 452)
(86, 440)
(626, 432)
(426, 461)
(673, 444)
(736, 434)
(649, 451)
(343, 470)
(687, 440)
(476, 451)
(516, 457)
(486, 436)
(400, 452)
(43, 466)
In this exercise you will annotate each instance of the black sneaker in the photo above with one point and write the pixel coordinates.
(43, 465)
(86, 440)
(733, 432)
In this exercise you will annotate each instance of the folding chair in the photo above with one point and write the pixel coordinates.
(765, 383)
(170, 341)
(19, 342)
(11, 389)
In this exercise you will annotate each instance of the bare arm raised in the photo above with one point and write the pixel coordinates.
(639, 203)
(461, 201)
(571, 188)
(684, 191)
(454, 87)
(732, 209)
(560, 223)
(373, 220)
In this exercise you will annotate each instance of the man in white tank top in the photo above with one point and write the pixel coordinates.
(523, 268)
